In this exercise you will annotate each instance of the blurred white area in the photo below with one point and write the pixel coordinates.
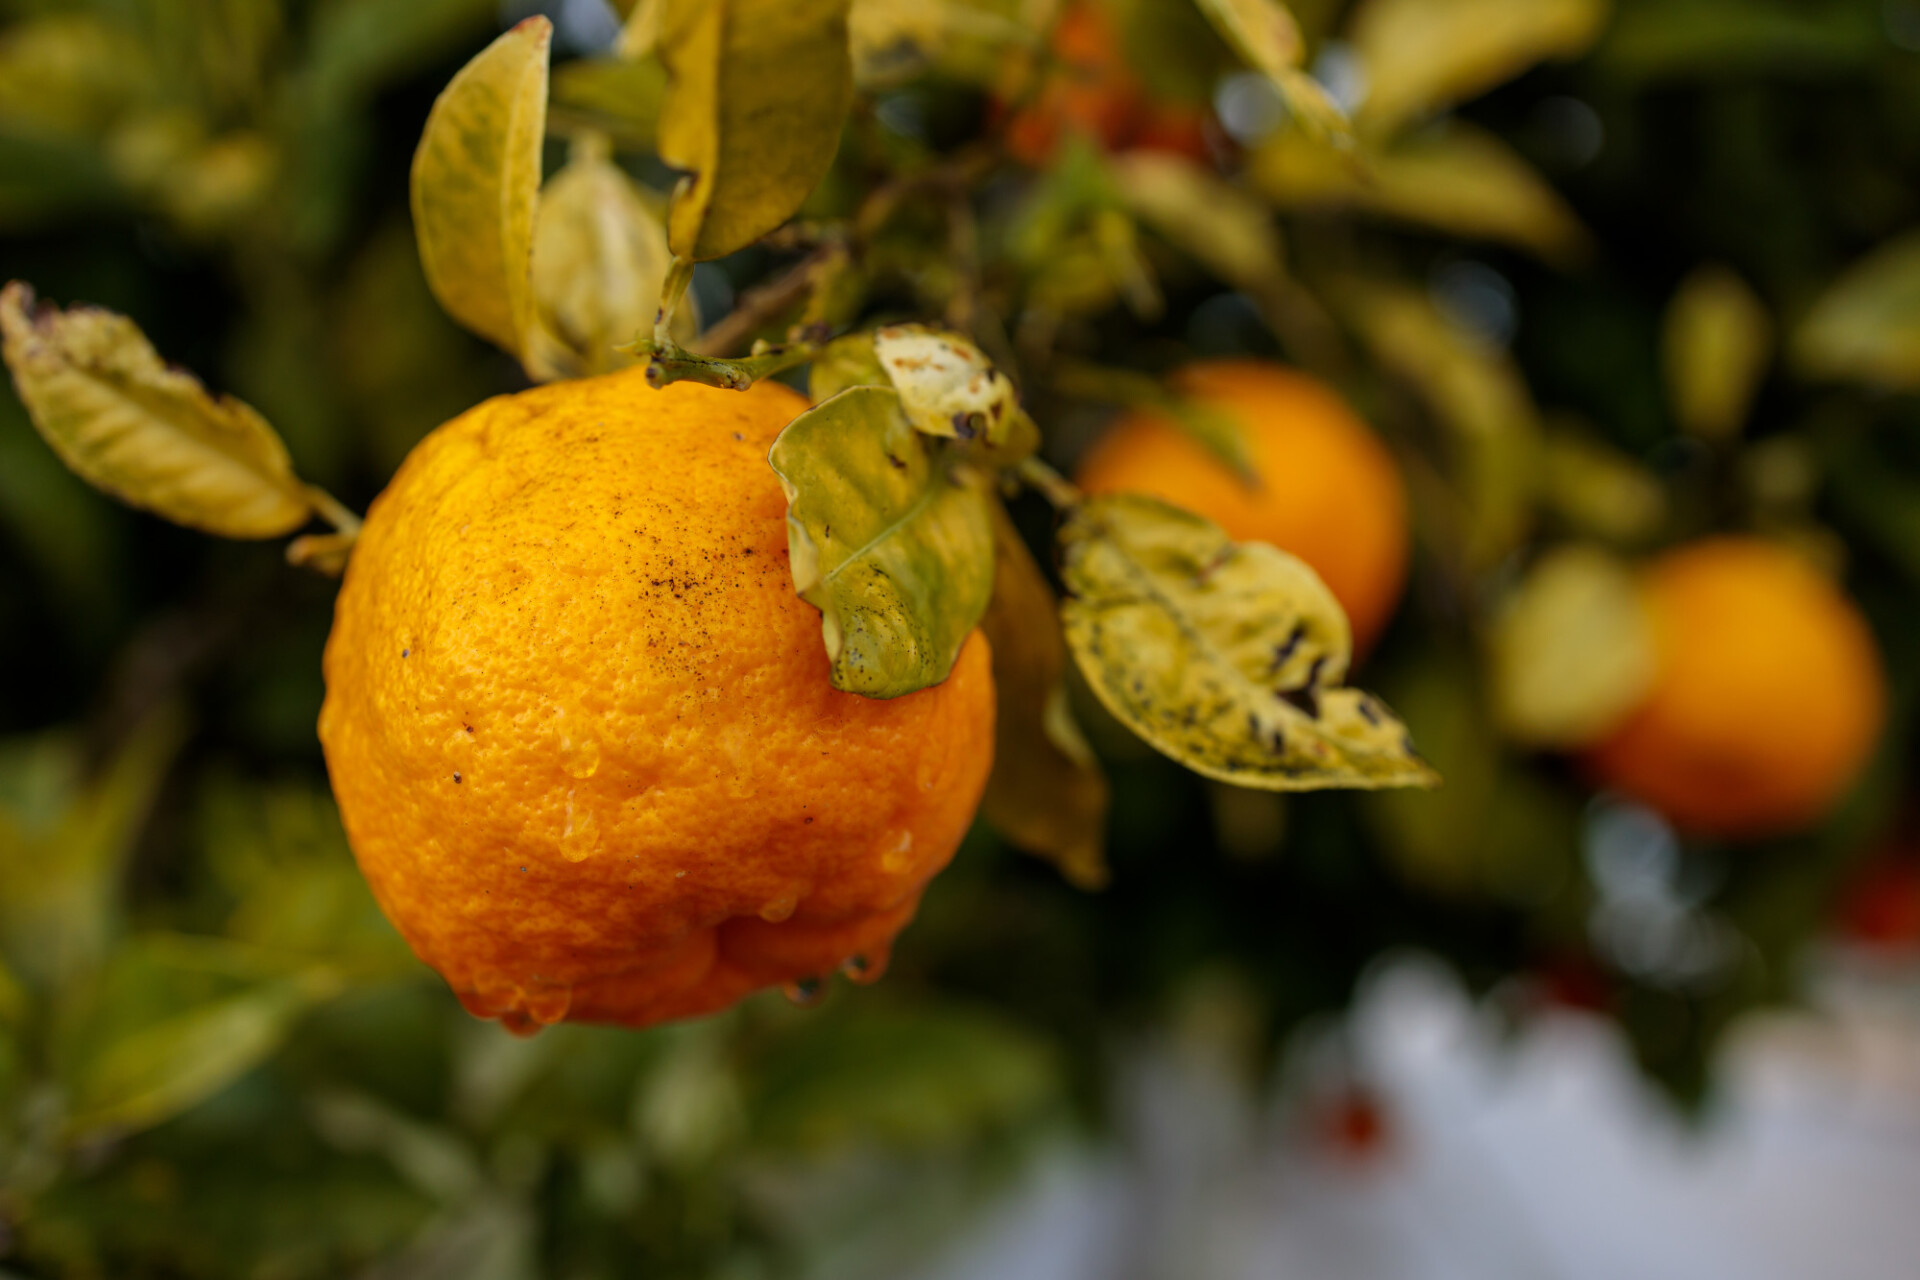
(1488, 1155)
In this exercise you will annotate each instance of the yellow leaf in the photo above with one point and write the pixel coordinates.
(1717, 344)
(888, 536)
(1454, 178)
(1477, 394)
(1226, 656)
(1572, 649)
(476, 180)
(1866, 327)
(757, 91)
(1047, 794)
(1264, 33)
(1418, 56)
(147, 434)
(599, 258)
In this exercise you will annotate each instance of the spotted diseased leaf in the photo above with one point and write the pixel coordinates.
(1047, 794)
(150, 435)
(1226, 656)
(947, 385)
(757, 91)
(1422, 55)
(476, 182)
(599, 259)
(891, 538)
(1717, 344)
(1866, 326)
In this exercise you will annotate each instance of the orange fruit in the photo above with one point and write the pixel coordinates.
(580, 726)
(1327, 490)
(1767, 694)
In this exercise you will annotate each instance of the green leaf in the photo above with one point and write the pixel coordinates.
(1218, 431)
(911, 1078)
(1866, 326)
(891, 538)
(617, 96)
(1717, 344)
(968, 40)
(947, 385)
(599, 259)
(1421, 55)
(1453, 178)
(358, 45)
(476, 181)
(757, 92)
(1046, 794)
(847, 361)
(1571, 651)
(1226, 230)
(149, 435)
(1226, 656)
(1265, 34)
(176, 1019)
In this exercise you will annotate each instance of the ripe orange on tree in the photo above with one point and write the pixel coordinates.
(1325, 488)
(581, 728)
(1767, 695)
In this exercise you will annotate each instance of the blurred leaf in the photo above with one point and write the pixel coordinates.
(1226, 656)
(1453, 178)
(70, 73)
(890, 540)
(41, 177)
(757, 92)
(1418, 56)
(969, 40)
(1223, 228)
(947, 385)
(1571, 650)
(618, 96)
(435, 1161)
(175, 1020)
(64, 844)
(358, 45)
(1218, 431)
(476, 182)
(1717, 344)
(1653, 39)
(1265, 34)
(600, 257)
(1599, 491)
(1866, 326)
(1047, 794)
(1476, 392)
(494, 1238)
(917, 1078)
(46, 509)
(147, 434)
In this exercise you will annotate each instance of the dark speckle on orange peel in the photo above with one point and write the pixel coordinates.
(609, 781)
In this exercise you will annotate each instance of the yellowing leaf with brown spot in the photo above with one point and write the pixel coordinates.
(149, 435)
(757, 91)
(1047, 794)
(476, 180)
(890, 537)
(1572, 650)
(1418, 56)
(1717, 344)
(1228, 657)
(947, 385)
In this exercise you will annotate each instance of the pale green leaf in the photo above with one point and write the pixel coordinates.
(150, 435)
(476, 181)
(1572, 649)
(1717, 344)
(969, 40)
(599, 258)
(847, 361)
(890, 538)
(757, 92)
(1453, 178)
(1046, 794)
(1222, 227)
(617, 96)
(1866, 326)
(1209, 425)
(947, 385)
(1418, 56)
(1228, 657)
(1264, 33)
(1598, 490)
(71, 74)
